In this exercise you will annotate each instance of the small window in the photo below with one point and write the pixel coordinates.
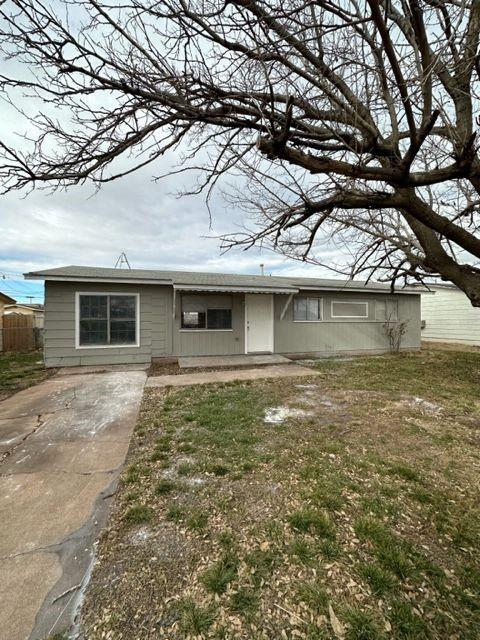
(107, 320)
(204, 312)
(386, 310)
(349, 309)
(307, 309)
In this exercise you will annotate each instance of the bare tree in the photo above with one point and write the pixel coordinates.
(351, 121)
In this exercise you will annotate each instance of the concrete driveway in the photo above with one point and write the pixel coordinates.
(62, 446)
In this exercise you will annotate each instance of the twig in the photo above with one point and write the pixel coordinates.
(77, 586)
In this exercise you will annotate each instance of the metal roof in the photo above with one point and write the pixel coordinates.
(192, 279)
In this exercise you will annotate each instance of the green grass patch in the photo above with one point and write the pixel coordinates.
(217, 577)
(379, 580)
(244, 601)
(164, 486)
(139, 514)
(361, 626)
(195, 619)
(311, 521)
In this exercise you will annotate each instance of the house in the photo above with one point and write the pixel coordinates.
(108, 316)
(448, 316)
(4, 300)
(35, 310)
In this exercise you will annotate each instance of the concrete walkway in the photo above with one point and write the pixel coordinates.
(186, 362)
(207, 377)
(62, 445)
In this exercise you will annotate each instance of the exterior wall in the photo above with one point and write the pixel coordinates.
(336, 335)
(59, 333)
(449, 317)
(1, 325)
(201, 342)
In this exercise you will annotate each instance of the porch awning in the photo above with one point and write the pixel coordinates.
(234, 289)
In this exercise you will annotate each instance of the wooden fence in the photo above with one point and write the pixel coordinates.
(19, 333)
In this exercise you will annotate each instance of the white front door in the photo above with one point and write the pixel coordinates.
(259, 322)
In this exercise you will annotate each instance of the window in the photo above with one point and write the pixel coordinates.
(307, 309)
(212, 313)
(107, 319)
(349, 309)
(386, 310)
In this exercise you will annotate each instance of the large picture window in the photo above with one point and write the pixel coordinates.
(107, 319)
(307, 309)
(207, 312)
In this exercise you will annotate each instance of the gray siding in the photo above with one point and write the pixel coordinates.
(59, 335)
(336, 335)
(197, 342)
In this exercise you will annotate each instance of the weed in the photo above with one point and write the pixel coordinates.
(139, 514)
(303, 550)
(197, 520)
(310, 521)
(404, 472)
(244, 601)
(379, 580)
(217, 577)
(164, 486)
(406, 623)
(195, 620)
(313, 595)
(361, 626)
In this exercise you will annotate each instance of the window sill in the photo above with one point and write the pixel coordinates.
(107, 346)
(205, 330)
(308, 321)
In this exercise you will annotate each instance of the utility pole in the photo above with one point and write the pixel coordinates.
(122, 260)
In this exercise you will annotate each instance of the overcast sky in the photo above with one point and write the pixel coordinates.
(134, 214)
(143, 218)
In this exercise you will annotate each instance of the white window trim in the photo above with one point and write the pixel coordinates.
(309, 298)
(205, 330)
(106, 346)
(363, 302)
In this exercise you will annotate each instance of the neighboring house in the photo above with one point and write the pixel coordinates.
(35, 310)
(448, 316)
(108, 316)
(4, 300)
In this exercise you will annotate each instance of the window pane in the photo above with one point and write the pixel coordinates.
(93, 332)
(392, 310)
(219, 319)
(122, 307)
(122, 332)
(349, 309)
(380, 310)
(193, 320)
(313, 309)
(300, 309)
(93, 306)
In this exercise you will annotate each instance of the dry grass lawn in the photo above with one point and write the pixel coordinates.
(356, 516)
(21, 370)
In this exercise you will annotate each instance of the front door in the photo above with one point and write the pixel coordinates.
(259, 322)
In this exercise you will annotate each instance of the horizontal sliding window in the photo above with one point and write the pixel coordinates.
(349, 309)
(307, 309)
(206, 312)
(106, 319)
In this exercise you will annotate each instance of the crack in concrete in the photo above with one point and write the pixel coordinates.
(6, 454)
(66, 471)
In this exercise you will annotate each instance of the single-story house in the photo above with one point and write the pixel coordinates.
(109, 316)
(37, 311)
(448, 316)
(4, 300)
